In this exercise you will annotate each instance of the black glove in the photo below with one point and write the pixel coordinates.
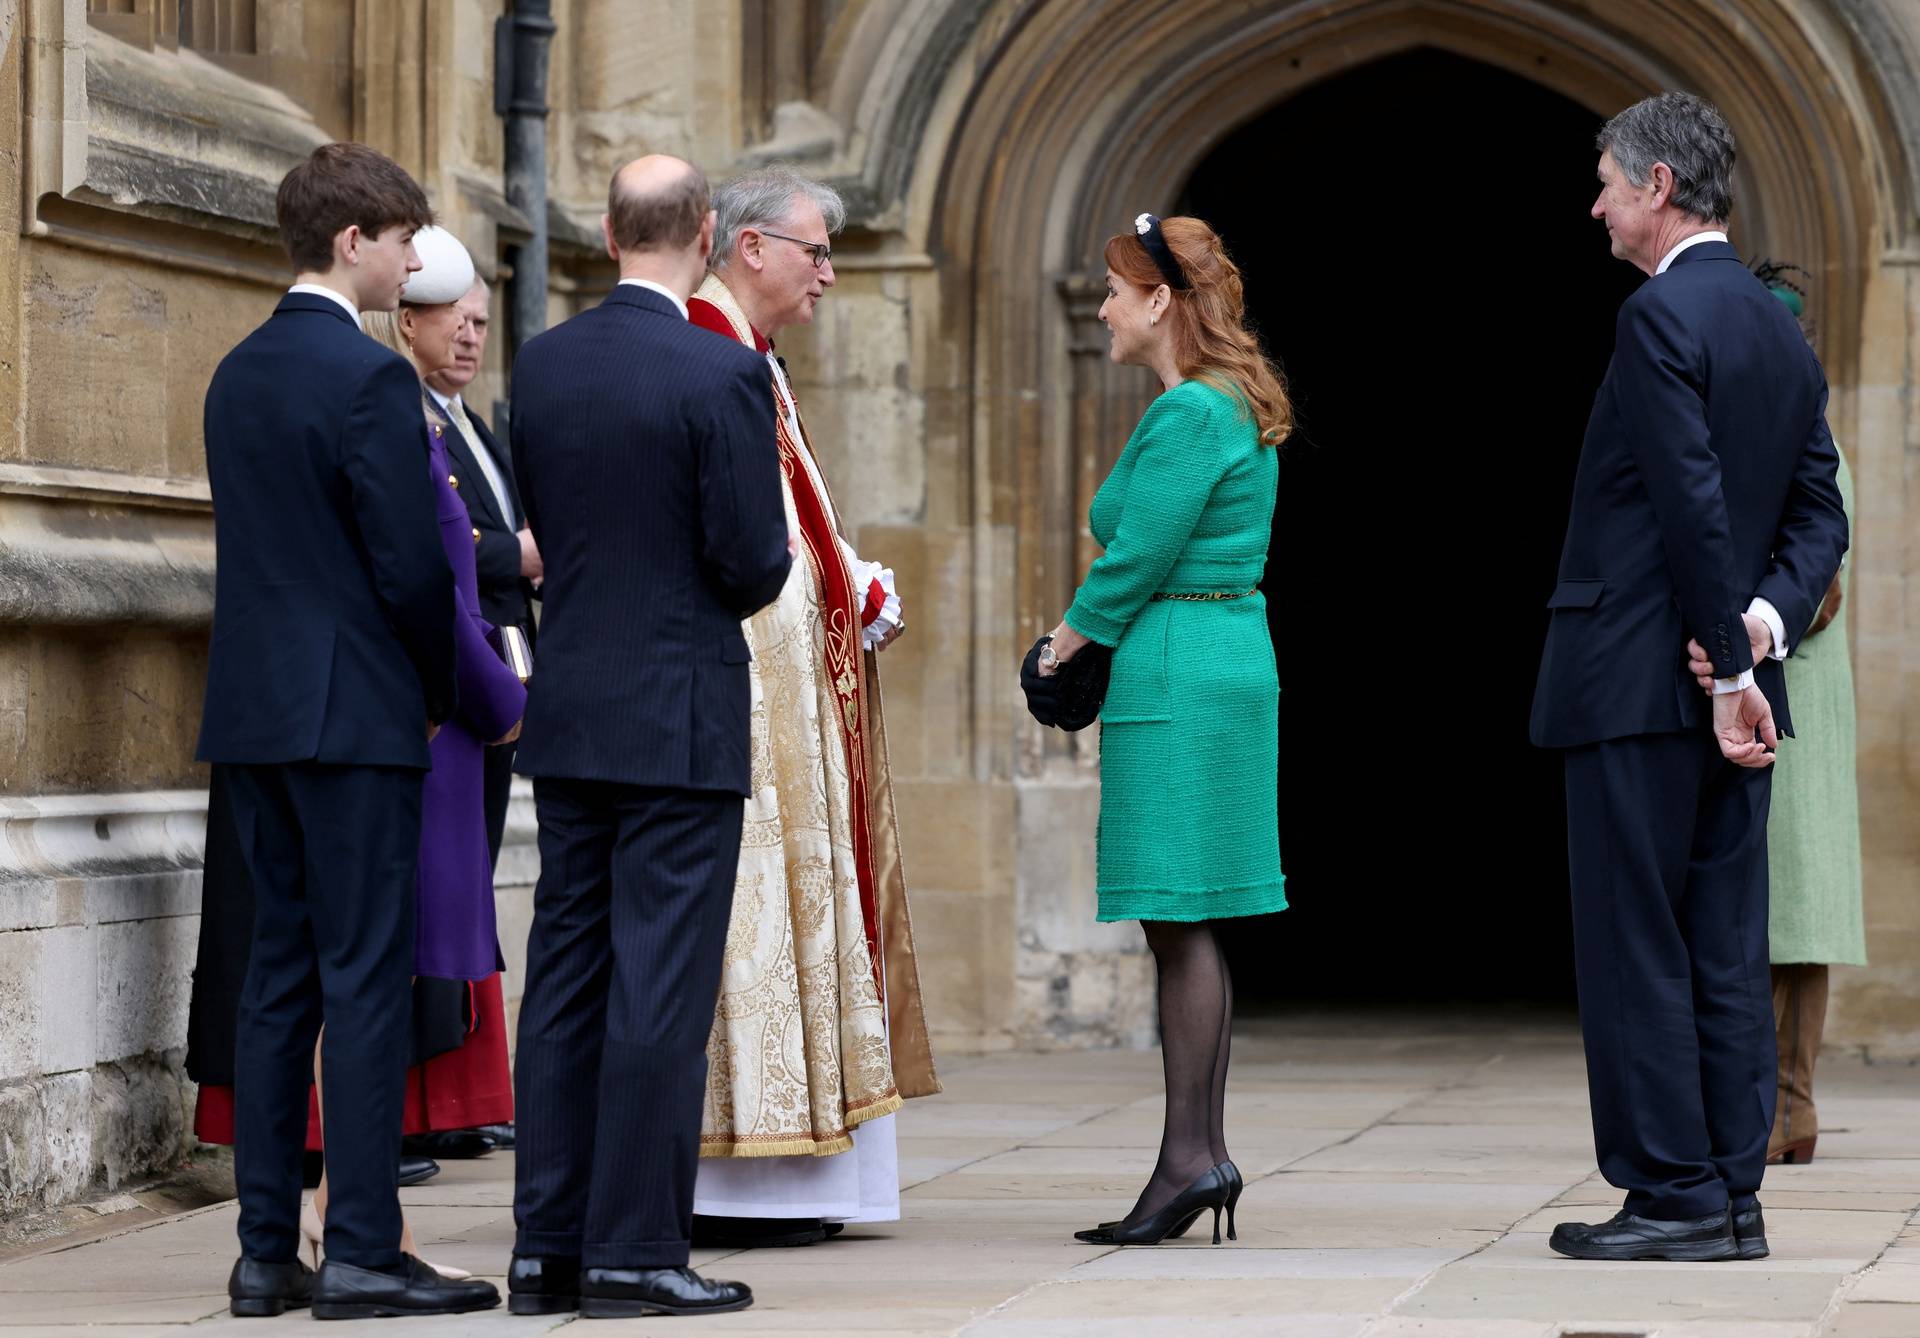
(1071, 698)
(1043, 693)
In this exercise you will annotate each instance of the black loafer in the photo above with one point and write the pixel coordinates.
(501, 1134)
(1750, 1234)
(417, 1170)
(543, 1284)
(342, 1291)
(256, 1287)
(452, 1144)
(615, 1293)
(1698, 1239)
(756, 1233)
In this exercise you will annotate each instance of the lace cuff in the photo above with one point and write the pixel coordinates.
(882, 612)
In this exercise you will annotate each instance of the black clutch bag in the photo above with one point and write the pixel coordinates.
(1071, 697)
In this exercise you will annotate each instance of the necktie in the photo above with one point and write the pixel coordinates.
(484, 458)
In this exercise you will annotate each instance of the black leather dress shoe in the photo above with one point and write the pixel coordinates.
(452, 1144)
(543, 1284)
(613, 1293)
(342, 1291)
(417, 1170)
(501, 1134)
(1697, 1239)
(756, 1233)
(259, 1288)
(1750, 1234)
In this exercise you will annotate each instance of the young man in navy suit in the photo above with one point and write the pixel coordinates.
(647, 461)
(1706, 522)
(332, 663)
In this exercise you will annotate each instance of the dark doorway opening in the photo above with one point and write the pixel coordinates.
(1418, 255)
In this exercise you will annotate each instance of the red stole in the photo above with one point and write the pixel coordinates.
(844, 611)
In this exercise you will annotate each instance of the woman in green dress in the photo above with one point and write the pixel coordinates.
(1189, 739)
(1813, 861)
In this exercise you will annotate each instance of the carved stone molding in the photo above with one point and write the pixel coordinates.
(96, 555)
(52, 837)
(159, 133)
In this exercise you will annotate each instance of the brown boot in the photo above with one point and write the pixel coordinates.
(1799, 1016)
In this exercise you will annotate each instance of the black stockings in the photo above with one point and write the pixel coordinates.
(1196, 1020)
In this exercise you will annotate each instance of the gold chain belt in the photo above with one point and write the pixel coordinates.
(1213, 595)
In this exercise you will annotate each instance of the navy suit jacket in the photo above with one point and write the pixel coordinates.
(505, 596)
(650, 474)
(1707, 478)
(333, 616)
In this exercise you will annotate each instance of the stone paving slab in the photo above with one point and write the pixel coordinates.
(1403, 1175)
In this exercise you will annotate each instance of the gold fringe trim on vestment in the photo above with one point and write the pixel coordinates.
(780, 1145)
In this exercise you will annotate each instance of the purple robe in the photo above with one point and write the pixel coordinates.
(455, 936)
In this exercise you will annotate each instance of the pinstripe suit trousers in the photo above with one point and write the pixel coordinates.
(623, 973)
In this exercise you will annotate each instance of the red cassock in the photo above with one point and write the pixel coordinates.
(469, 1086)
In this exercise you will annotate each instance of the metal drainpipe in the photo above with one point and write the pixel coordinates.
(520, 94)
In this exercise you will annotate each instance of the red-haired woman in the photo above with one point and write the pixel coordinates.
(1189, 742)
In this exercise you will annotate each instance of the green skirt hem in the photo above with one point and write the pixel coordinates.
(1190, 907)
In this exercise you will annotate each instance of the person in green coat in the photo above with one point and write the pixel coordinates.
(1189, 740)
(1815, 918)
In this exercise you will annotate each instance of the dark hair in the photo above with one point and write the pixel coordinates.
(340, 186)
(1211, 341)
(664, 218)
(1691, 137)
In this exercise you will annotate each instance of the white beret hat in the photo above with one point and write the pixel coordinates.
(445, 273)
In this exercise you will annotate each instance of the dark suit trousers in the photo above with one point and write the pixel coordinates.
(332, 851)
(623, 974)
(1668, 846)
(499, 790)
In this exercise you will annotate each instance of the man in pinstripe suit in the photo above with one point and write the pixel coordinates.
(648, 470)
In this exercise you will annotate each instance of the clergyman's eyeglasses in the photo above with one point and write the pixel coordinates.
(820, 251)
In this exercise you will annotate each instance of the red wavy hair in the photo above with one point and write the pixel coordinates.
(1211, 341)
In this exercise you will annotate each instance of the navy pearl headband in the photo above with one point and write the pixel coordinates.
(1147, 228)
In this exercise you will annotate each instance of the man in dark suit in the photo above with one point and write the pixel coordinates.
(331, 666)
(647, 462)
(1705, 507)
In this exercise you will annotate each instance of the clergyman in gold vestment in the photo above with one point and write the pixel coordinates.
(819, 1034)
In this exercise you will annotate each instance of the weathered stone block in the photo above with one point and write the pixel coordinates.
(66, 1007)
(20, 1003)
(145, 984)
(141, 1112)
(44, 1141)
(146, 896)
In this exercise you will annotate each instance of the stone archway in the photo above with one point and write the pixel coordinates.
(1056, 121)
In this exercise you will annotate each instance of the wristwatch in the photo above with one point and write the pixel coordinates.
(1048, 660)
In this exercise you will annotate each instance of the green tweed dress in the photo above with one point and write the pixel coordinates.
(1813, 831)
(1189, 735)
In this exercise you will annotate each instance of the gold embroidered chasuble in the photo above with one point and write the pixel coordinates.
(820, 1025)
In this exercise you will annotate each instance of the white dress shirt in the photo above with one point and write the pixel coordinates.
(1708, 236)
(320, 290)
(679, 304)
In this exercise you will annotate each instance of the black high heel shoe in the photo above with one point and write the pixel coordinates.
(1235, 1184)
(1209, 1191)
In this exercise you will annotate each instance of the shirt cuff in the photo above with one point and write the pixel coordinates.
(1724, 687)
(1766, 613)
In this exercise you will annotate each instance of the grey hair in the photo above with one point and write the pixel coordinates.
(764, 198)
(1691, 137)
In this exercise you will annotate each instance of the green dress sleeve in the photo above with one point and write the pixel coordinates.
(1178, 460)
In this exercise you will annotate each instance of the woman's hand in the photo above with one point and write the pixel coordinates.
(1066, 644)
